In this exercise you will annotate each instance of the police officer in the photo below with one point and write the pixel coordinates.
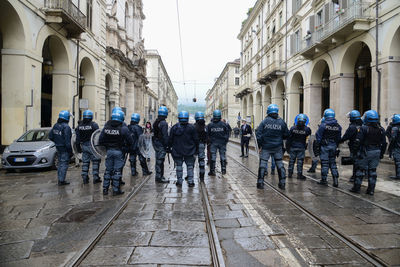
(61, 135)
(136, 132)
(160, 143)
(218, 135)
(270, 135)
(371, 146)
(116, 138)
(245, 139)
(200, 126)
(394, 147)
(84, 133)
(296, 145)
(183, 142)
(125, 145)
(350, 135)
(325, 145)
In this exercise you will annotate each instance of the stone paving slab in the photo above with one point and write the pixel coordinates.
(108, 256)
(179, 239)
(15, 251)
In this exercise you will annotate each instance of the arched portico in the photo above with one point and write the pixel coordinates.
(296, 96)
(88, 90)
(279, 98)
(244, 107)
(107, 100)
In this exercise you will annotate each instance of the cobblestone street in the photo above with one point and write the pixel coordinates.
(163, 225)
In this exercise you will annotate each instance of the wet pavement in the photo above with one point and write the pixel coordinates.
(164, 225)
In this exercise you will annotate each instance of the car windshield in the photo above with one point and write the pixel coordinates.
(35, 136)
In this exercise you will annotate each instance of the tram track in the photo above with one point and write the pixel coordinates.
(356, 247)
(215, 248)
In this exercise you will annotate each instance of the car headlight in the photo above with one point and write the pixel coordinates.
(44, 149)
(6, 150)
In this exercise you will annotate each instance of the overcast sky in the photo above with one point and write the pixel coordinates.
(209, 31)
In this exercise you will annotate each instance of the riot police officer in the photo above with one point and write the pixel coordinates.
(136, 132)
(296, 145)
(160, 143)
(218, 135)
(371, 146)
(61, 135)
(125, 145)
(327, 140)
(270, 135)
(116, 138)
(84, 133)
(394, 147)
(350, 135)
(200, 126)
(183, 142)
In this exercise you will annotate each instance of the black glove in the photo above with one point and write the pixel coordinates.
(381, 156)
(78, 148)
(337, 152)
(316, 149)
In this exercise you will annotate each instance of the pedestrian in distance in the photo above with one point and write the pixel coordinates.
(296, 145)
(160, 143)
(136, 130)
(183, 143)
(117, 139)
(61, 135)
(246, 134)
(394, 145)
(200, 126)
(218, 135)
(84, 133)
(270, 135)
(236, 132)
(326, 146)
(350, 135)
(371, 145)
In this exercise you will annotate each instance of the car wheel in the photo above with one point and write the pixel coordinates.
(55, 162)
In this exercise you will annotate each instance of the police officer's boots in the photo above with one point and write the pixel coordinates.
(322, 181)
(335, 181)
(355, 188)
(202, 176)
(96, 179)
(85, 179)
(212, 168)
(119, 192)
(260, 180)
(370, 190)
(281, 183)
(300, 176)
(145, 168)
(290, 174)
(223, 167)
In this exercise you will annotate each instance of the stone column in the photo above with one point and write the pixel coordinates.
(342, 95)
(130, 98)
(312, 104)
(281, 103)
(122, 91)
(293, 105)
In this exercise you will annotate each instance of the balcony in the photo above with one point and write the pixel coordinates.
(243, 90)
(353, 19)
(66, 13)
(271, 72)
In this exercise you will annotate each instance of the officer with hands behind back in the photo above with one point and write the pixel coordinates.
(296, 145)
(326, 144)
(184, 143)
(246, 133)
(370, 145)
(117, 139)
(200, 126)
(160, 143)
(84, 133)
(218, 136)
(270, 135)
(136, 130)
(61, 135)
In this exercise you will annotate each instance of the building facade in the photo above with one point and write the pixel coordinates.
(222, 95)
(309, 55)
(69, 55)
(161, 85)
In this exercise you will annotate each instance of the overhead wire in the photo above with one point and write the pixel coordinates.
(180, 46)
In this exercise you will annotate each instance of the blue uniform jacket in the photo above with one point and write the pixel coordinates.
(218, 132)
(372, 137)
(136, 132)
(395, 136)
(85, 130)
(298, 136)
(183, 140)
(116, 135)
(61, 135)
(329, 132)
(351, 134)
(271, 132)
(160, 127)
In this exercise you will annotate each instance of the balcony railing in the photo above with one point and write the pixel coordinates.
(273, 70)
(340, 25)
(74, 19)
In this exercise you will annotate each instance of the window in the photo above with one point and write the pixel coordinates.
(280, 20)
(89, 14)
(258, 44)
(273, 27)
(319, 18)
(268, 33)
(237, 81)
(236, 70)
(296, 5)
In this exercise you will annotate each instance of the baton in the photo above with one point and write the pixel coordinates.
(257, 150)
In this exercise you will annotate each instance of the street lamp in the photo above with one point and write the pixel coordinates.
(325, 83)
(81, 81)
(361, 72)
(48, 67)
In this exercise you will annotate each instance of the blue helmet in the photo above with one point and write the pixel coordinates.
(354, 115)
(199, 115)
(183, 116)
(301, 119)
(329, 113)
(88, 114)
(64, 114)
(273, 109)
(115, 109)
(217, 114)
(371, 116)
(163, 111)
(118, 115)
(396, 119)
(135, 117)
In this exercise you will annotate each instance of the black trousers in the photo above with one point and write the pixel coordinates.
(244, 144)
